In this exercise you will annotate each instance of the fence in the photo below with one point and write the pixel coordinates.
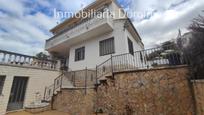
(48, 93)
(82, 78)
(11, 58)
(72, 79)
(168, 55)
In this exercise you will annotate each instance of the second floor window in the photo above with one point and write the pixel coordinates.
(2, 79)
(107, 47)
(80, 54)
(130, 47)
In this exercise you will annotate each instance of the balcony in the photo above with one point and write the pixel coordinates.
(84, 30)
(20, 60)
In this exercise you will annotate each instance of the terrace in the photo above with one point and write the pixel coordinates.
(21, 60)
(86, 28)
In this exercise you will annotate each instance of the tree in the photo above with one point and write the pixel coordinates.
(195, 49)
(42, 56)
(197, 24)
(167, 50)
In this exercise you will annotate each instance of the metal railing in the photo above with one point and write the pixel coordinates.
(11, 58)
(168, 55)
(49, 91)
(72, 79)
(78, 29)
(58, 83)
(82, 78)
(77, 24)
(104, 69)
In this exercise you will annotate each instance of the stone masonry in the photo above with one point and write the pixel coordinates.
(163, 91)
(147, 92)
(75, 101)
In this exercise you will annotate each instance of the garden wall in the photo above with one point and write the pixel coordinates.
(198, 87)
(147, 92)
(162, 91)
(75, 101)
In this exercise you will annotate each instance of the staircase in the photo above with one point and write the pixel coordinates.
(71, 80)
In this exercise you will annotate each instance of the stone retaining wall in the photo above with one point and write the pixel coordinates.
(164, 91)
(147, 92)
(75, 101)
(198, 87)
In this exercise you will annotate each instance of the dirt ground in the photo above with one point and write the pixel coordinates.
(43, 113)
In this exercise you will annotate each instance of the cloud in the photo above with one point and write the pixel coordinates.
(75, 5)
(12, 6)
(19, 47)
(170, 16)
(25, 24)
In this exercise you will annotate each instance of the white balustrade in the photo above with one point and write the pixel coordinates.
(11, 58)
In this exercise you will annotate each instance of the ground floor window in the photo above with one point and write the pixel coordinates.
(80, 54)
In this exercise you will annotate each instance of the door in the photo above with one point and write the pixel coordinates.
(17, 94)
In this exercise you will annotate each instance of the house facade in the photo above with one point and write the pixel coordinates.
(87, 42)
(22, 79)
(78, 43)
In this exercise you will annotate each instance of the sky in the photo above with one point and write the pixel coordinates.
(25, 24)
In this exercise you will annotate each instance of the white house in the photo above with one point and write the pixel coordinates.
(87, 42)
(79, 42)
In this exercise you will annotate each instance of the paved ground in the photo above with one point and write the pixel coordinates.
(44, 113)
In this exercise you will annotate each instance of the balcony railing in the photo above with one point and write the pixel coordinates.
(78, 29)
(15, 59)
(78, 23)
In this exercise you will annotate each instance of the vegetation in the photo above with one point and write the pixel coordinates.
(42, 56)
(195, 49)
(167, 50)
(192, 50)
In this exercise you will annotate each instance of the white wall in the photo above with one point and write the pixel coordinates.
(91, 54)
(92, 57)
(37, 81)
(136, 43)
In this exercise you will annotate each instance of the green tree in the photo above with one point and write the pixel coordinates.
(167, 50)
(42, 56)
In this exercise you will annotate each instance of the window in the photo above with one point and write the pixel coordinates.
(130, 47)
(107, 47)
(80, 54)
(2, 79)
(141, 57)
